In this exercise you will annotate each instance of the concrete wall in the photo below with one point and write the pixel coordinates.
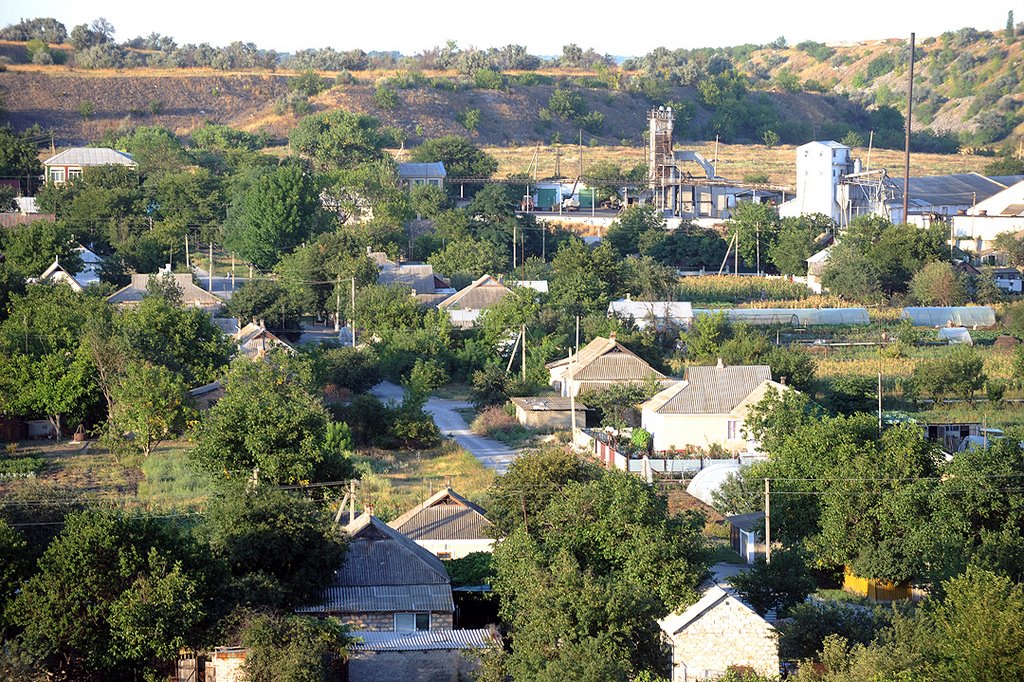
(729, 635)
(456, 549)
(443, 665)
(550, 420)
(676, 431)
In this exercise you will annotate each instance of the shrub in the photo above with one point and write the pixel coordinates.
(469, 118)
(488, 79)
(385, 97)
(21, 467)
(493, 420)
(566, 104)
(156, 107)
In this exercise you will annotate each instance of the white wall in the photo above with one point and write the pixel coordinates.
(457, 548)
(676, 431)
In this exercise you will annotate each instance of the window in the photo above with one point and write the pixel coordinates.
(56, 175)
(74, 173)
(731, 429)
(412, 622)
(444, 555)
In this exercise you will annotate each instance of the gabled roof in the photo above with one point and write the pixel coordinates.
(91, 156)
(384, 571)
(709, 390)
(248, 337)
(547, 403)
(962, 189)
(446, 515)
(433, 169)
(482, 293)
(57, 273)
(746, 522)
(605, 359)
(1008, 202)
(831, 144)
(191, 294)
(715, 595)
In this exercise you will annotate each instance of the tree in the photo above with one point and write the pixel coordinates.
(150, 403)
(291, 648)
(281, 550)
(780, 585)
(960, 372)
(937, 284)
(796, 241)
(267, 300)
(18, 155)
(649, 280)
(757, 227)
(269, 426)
(582, 583)
(469, 258)
(584, 278)
(279, 210)
(626, 231)
(339, 139)
(318, 274)
(13, 565)
(460, 157)
(116, 593)
(355, 369)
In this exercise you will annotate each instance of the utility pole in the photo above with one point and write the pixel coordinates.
(524, 353)
(188, 263)
(767, 520)
(353, 312)
(514, 261)
(211, 267)
(581, 153)
(906, 152)
(337, 304)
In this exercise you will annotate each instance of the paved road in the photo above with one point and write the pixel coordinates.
(491, 453)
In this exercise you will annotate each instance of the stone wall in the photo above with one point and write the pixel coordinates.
(385, 622)
(728, 635)
(444, 665)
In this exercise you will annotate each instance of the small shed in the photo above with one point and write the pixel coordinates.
(718, 634)
(549, 413)
(745, 536)
(973, 316)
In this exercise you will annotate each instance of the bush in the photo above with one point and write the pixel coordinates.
(488, 79)
(385, 97)
(493, 420)
(19, 467)
(469, 118)
(566, 104)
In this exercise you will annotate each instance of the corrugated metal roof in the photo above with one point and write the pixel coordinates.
(384, 599)
(948, 190)
(90, 156)
(420, 641)
(190, 293)
(746, 522)
(255, 338)
(606, 360)
(710, 390)
(380, 555)
(419, 276)
(433, 169)
(481, 294)
(548, 403)
(445, 515)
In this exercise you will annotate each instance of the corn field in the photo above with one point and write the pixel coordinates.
(738, 289)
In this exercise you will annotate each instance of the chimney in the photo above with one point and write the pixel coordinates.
(720, 365)
(611, 336)
(629, 296)
(782, 380)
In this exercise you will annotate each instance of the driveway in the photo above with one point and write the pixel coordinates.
(491, 453)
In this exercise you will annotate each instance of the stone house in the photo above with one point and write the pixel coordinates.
(466, 305)
(717, 634)
(70, 163)
(446, 525)
(601, 363)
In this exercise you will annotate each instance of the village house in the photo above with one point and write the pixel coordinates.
(70, 163)
(718, 634)
(412, 175)
(601, 363)
(56, 274)
(254, 341)
(466, 305)
(191, 294)
(447, 525)
(549, 413)
(707, 407)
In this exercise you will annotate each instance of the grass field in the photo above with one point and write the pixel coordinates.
(735, 161)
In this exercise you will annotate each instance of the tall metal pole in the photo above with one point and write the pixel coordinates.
(768, 520)
(353, 312)
(906, 152)
(524, 353)
(211, 267)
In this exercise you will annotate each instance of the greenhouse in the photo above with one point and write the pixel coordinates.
(794, 317)
(973, 317)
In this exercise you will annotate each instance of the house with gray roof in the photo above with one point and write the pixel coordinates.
(447, 525)
(191, 294)
(413, 174)
(70, 163)
(707, 407)
(255, 341)
(601, 363)
(467, 304)
(433, 656)
(387, 583)
(549, 412)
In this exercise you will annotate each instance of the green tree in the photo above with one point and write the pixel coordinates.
(116, 594)
(460, 157)
(279, 210)
(355, 369)
(937, 284)
(780, 585)
(626, 232)
(959, 372)
(281, 550)
(13, 567)
(584, 278)
(267, 300)
(318, 274)
(796, 242)
(469, 258)
(757, 227)
(269, 426)
(291, 648)
(339, 139)
(18, 155)
(151, 404)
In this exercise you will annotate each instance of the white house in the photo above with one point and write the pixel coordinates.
(57, 273)
(601, 363)
(447, 525)
(1007, 279)
(255, 341)
(976, 230)
(707, 407)
(70, 163)
(643, 314)
(717, 634)
(819, 166)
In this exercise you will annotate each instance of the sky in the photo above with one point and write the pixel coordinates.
(617, 28)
